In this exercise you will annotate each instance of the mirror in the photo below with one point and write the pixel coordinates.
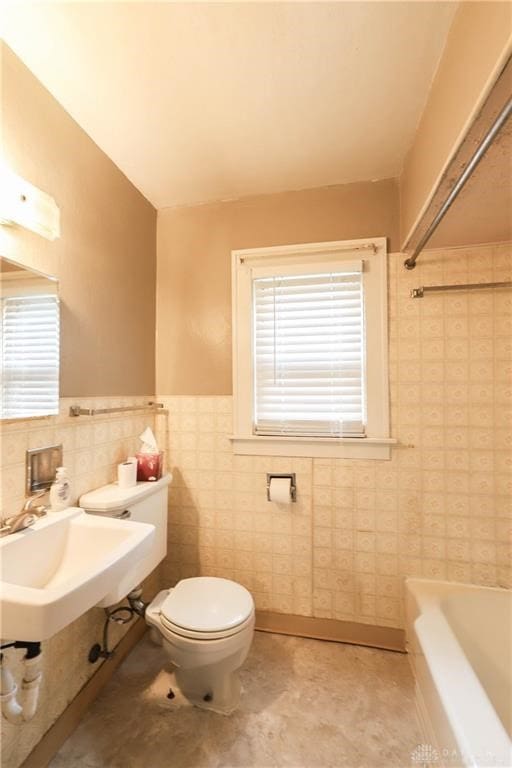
(29, 343)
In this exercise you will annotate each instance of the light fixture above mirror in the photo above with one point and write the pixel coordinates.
(23, 204)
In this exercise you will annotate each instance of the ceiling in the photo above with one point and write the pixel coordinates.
(207, 101)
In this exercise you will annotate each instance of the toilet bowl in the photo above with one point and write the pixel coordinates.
(206, 625)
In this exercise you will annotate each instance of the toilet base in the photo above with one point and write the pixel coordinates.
(155, 636)
(205, 689)
(205, 670)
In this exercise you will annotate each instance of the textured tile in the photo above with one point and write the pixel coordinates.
(451, 361)
(66, 667)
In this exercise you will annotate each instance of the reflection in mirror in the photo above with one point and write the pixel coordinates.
(29, 343)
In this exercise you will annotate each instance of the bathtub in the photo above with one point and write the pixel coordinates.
(459, 639)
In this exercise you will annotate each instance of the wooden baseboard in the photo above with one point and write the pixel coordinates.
(55, 737)
(387, 638)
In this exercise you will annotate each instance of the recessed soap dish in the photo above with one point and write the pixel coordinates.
(41, 466)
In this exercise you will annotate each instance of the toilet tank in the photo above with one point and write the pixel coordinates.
(146, 503)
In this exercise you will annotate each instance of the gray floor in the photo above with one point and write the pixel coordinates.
(306, 704)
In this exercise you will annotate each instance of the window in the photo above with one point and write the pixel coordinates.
(29, 336)
(310, 350)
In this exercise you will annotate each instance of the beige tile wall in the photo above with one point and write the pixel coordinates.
(440, 508)
(93, 446)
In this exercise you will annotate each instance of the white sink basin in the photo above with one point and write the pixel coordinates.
(54, 571)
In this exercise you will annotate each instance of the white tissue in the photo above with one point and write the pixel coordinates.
(149, 444)
(280, 490)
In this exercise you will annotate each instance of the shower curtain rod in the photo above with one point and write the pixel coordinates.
(488, 139)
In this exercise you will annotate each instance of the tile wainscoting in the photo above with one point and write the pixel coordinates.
(440, 508)
(93, 446)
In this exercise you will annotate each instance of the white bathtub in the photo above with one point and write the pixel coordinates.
(459, 639)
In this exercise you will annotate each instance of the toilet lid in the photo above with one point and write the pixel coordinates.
(207, 604)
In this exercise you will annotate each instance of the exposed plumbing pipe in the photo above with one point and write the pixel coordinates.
(120, 615)
(137, 604)
(14, 711)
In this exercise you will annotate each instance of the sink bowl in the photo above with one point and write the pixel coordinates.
(54, 571)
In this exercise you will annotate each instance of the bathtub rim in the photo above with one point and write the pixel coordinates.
(446, 664)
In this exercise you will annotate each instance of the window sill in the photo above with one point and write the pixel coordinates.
(314, 447)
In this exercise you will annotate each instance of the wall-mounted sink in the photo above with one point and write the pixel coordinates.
(56, 570)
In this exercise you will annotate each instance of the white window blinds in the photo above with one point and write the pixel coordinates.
(30, 356)
(308, 335)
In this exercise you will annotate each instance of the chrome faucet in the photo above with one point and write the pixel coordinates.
(26, 517)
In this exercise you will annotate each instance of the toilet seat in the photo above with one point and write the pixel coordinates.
(190, 634)
(207, 608)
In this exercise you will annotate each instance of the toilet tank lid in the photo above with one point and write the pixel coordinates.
(110, 498)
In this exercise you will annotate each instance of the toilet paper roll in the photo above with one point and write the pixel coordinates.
(127, 474)
(280, 491)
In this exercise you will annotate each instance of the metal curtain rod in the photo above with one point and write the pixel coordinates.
(418, 293)
(76, 410)
(349, 249)
(488, 139)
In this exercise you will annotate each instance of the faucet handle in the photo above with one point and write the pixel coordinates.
(31, 499)
(19, 522)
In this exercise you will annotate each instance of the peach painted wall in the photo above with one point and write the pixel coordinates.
(194, 267)
(105, 259)
(477, 47)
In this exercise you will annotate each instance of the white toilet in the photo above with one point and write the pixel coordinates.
(206, 624)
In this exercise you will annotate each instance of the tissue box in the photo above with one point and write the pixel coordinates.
(149, 466)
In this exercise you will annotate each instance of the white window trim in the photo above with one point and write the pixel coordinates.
(377, 443)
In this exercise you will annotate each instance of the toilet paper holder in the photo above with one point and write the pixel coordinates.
(290, 476)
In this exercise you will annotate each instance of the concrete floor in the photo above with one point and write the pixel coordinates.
(306, 704)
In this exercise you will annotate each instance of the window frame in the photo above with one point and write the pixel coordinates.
(377, 442)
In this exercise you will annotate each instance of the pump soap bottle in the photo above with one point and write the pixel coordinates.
(60, 492)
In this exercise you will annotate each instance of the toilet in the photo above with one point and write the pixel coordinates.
(205, 624)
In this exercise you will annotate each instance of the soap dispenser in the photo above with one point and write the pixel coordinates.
(60, 492)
